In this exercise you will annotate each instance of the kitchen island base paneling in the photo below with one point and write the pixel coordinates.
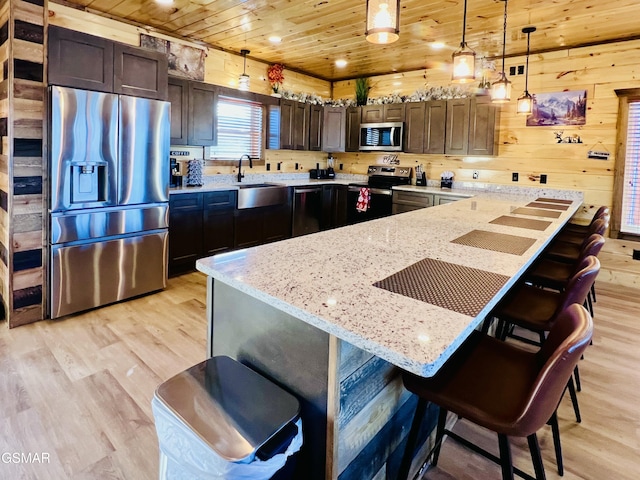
(355, 412)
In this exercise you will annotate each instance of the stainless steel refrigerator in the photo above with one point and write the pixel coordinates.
(109, 192)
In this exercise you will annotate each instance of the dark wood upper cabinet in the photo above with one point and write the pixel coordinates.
(294, 125)
(178, 90)
(202, 119)
(457, 130)
(334, 129)
(415, 127)
(301, 126)
(372, 114)
(80, 60)
(482, 127)
(140, 72)
(425, 126)
(352, 141)
(316, 114)
(394, 112)
(435, 125)
(391, 112)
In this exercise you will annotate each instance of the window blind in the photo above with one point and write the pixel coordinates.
(239, 129)
(630, 221)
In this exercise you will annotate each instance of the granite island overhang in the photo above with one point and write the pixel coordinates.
(331, 316)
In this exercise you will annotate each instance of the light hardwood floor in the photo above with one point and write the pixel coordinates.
(79, 390)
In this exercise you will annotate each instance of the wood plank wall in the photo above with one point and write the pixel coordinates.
(22, 111)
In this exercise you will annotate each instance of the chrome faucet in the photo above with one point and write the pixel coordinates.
(240, 174)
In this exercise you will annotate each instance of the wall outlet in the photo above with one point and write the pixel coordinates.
(278, 165)
(543, 178)
(341, 166)
(268, 167)
(512, 71)
(296, 165)
(475, 174)
(514, 177)
(520, 69)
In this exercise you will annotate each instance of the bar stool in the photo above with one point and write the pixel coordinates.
(583, 229)
(537, 310)
(569, 252)
(553, 274)
(503, 388)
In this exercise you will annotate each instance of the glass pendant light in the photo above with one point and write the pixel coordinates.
(243, 81)
(525, 102)
(464, 59)
(383, 21)
(501, 88)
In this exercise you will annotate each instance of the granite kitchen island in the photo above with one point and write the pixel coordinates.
(332, 316)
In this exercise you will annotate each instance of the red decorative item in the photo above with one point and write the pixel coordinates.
(364, 199)
(275, 76)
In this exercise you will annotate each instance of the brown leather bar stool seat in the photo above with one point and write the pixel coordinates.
(570, 252)
(502, 387)
(598, 226)
(549, 273)
(584, 229)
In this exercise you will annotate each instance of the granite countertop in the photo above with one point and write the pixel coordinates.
(327, 279)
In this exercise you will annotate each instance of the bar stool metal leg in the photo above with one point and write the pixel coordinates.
(555, 430)
(505, 457)
(574, 399)
(412, 437)
(536, 457)
(442, 421)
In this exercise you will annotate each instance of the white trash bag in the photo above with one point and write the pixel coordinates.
(184, 456)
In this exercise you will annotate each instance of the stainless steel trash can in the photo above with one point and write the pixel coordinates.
(221, 420)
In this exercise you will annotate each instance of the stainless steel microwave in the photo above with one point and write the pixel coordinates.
(386, 136)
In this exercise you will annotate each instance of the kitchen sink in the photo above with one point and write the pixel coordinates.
(254, 195)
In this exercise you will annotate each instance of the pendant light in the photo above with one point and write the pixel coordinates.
(501, 88)
(464, 59)
(383, 21)
(243, 81)
(525, 102)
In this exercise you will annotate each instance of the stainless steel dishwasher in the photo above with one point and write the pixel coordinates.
(307, 210)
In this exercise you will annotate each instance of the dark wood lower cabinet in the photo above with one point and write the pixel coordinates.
(256, 226)
(205, 224)
(217, 222)
(185, 232)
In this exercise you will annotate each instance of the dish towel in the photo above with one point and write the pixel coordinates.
(364, 199)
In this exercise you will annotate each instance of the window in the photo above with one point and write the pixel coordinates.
(630, 214)
(239, 129)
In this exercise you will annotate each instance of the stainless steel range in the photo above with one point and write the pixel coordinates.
(109, 198)
(381, 179)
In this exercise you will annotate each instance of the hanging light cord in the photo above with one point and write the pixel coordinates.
(504, 36)
(526, 77)
(464, 24)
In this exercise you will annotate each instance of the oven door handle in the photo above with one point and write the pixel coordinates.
(377, 191)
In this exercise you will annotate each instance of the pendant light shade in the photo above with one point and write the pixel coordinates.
(243, 81)
(383, 21)
(525, 102)
(501, 88)
(464, 59)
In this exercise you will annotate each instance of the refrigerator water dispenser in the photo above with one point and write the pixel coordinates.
(88, 182)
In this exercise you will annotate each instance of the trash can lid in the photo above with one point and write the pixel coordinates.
(233, 409)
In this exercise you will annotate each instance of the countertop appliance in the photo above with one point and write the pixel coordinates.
(307, 210)
(385, 136)
(109, 198)
(381, 179)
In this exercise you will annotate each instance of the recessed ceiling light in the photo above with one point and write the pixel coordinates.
(165, 2)
(437, 45)
(275, 39)
(341, 63)
(397, 84)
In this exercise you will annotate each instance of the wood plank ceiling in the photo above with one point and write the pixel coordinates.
(316, 33)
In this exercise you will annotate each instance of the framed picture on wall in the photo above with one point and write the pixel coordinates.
(184, 61)
(558, 108)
